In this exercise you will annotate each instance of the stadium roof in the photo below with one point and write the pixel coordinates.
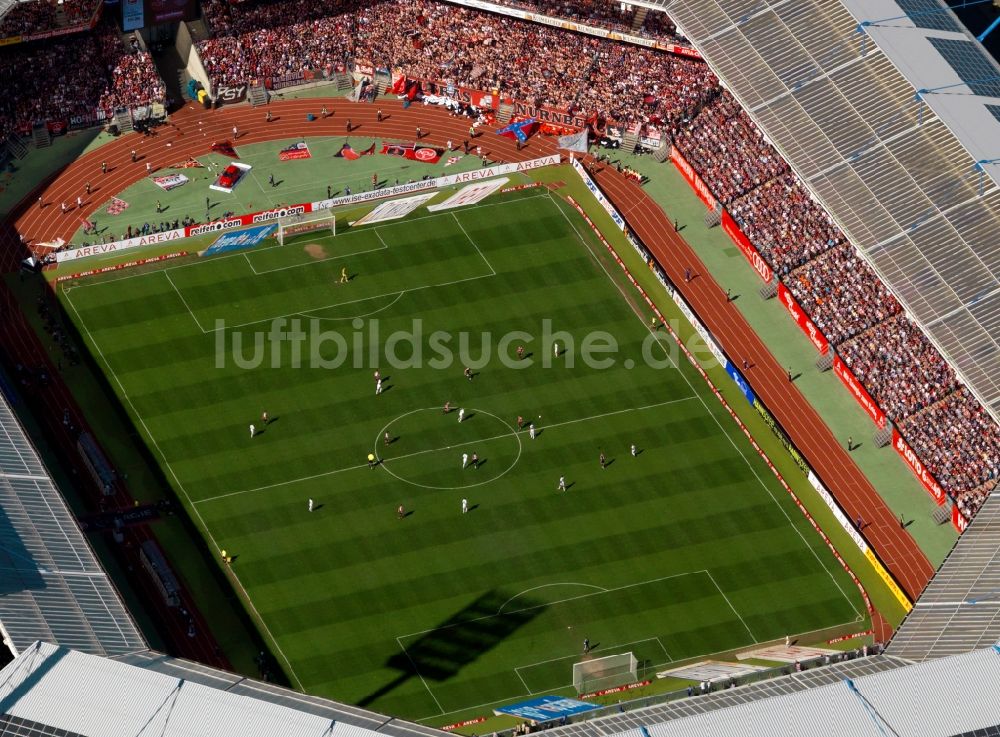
(628, 722)
(235, 684)
(959, 610)
(51, 586)
(890, 112)
(63, 692)
(942, 698)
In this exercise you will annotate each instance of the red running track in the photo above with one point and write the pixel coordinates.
(828, 458)
(193, 129)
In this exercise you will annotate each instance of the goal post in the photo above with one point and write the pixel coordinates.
(607, 672)
(306, 222)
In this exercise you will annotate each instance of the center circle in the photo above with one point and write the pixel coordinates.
(462, 437)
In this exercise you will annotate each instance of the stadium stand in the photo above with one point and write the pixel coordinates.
(612, 16)
(833, 284)
(542, 65)
(41, 87)
(46, 17)
(959, 610)
(51, 585)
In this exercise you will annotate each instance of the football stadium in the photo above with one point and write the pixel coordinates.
(499, 366)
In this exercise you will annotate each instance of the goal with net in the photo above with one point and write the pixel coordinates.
(599, 673)
(306, 222)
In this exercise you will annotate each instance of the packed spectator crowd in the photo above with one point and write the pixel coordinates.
(957, 441)
(883, 359)
(57, 79)
(896, 363)
(43, 16)
(841, 294)
(613, 16)
(535, 63)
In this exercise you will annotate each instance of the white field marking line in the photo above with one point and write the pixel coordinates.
(420, 675)
(316, 261)
(669, 656)
(183, 301)
(732, 442)
(435, 450)
(215, 545)
(596, 650)
(381, 239)
(349, 302)
(583, 242)
(215, 259)
(738, 615)
(545, 586)
(692, 659)
(366, 314)
(337, 304)
(554, 603)
(524, 683)
(473, 242)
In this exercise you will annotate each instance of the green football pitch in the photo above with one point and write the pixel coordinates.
(687, 548)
